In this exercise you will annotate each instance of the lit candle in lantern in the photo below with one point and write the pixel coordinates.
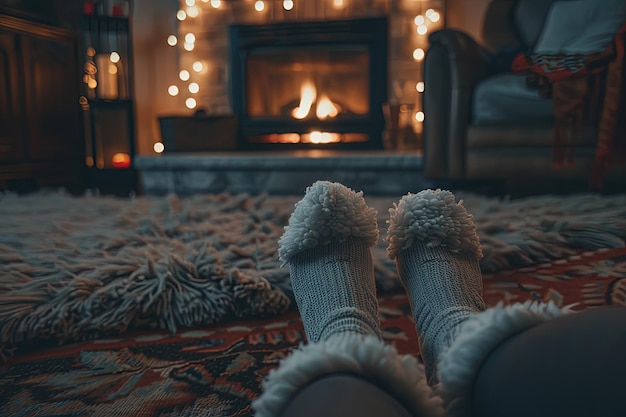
(121, 160)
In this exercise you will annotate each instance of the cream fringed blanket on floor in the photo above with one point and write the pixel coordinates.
(74, 268)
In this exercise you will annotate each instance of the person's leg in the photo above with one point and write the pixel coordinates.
(348, 395)
(327, 247)
(434, 243)
(571, 366)
(437, 252)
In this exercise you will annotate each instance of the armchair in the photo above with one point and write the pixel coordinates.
(482, 121)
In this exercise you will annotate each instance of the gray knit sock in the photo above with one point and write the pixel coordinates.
(327, 246)
(437, 250)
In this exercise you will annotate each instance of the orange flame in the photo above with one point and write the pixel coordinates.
(308, 95)
(326, 108)
(307, 98)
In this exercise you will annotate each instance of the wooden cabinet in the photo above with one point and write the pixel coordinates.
(41, 139)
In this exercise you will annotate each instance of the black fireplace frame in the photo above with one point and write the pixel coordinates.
(371, 33)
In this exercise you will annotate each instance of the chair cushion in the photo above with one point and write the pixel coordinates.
(581, 26)
(505, 99)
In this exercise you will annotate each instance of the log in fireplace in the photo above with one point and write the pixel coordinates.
(295, 85)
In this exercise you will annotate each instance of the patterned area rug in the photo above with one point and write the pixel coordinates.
(217, 370)
(74, 269)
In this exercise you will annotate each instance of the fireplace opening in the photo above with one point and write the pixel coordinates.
(298, 85)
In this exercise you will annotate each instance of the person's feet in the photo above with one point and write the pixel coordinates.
(327, 247)
(436, 248)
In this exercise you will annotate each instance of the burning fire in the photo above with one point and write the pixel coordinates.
(308, 95)
(307, 98)
(326, 108)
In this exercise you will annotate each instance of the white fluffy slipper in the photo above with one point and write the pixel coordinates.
(432, 217)
(458, 366)
(328, 212)
(400, 375)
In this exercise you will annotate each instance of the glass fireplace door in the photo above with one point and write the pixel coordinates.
(311, 88)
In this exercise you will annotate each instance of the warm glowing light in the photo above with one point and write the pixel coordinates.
(190, 103)
(288, 4)
(190, 3)
(316, 137)
(197, 66)
(92, 83)
(323, 137)
(181, 15)
(112, 69)
(259, 6)
(120, 160)
(429, 12)
(215, 4)
(190, 38)
(193, 11)
(158, 147)
(420, 87)
(89, 161)
(326, 108)
(114, 57)
(338, 4)
(91, 51)
(307, 97)
(419, 20)
(434, 17)
(422, 29)
(172, 90)
(194, 88)
(172, 40)
(189, 46)
(183, 75)
(418, 54)
(419, 116)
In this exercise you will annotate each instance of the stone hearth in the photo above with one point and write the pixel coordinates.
(281, 172)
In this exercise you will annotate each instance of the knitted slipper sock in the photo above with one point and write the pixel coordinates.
(434, 242)
(327, 246)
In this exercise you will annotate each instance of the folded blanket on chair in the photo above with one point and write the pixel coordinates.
(586, 89)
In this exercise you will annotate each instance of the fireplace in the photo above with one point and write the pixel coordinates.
(305, 84)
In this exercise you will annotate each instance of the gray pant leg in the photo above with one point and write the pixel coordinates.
(342, 395)
(570, 366)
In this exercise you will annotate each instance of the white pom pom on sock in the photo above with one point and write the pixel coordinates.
(328, 211)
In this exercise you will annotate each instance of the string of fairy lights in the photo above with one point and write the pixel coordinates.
(189, 82)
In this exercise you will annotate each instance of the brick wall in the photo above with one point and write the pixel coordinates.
(212, 18)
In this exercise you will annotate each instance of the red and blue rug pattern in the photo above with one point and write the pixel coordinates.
(218, 370)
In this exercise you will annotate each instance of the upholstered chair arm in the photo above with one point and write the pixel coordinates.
(453, 65)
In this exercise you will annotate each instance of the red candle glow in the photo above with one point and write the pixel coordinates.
(89, 8)
(121, 160)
